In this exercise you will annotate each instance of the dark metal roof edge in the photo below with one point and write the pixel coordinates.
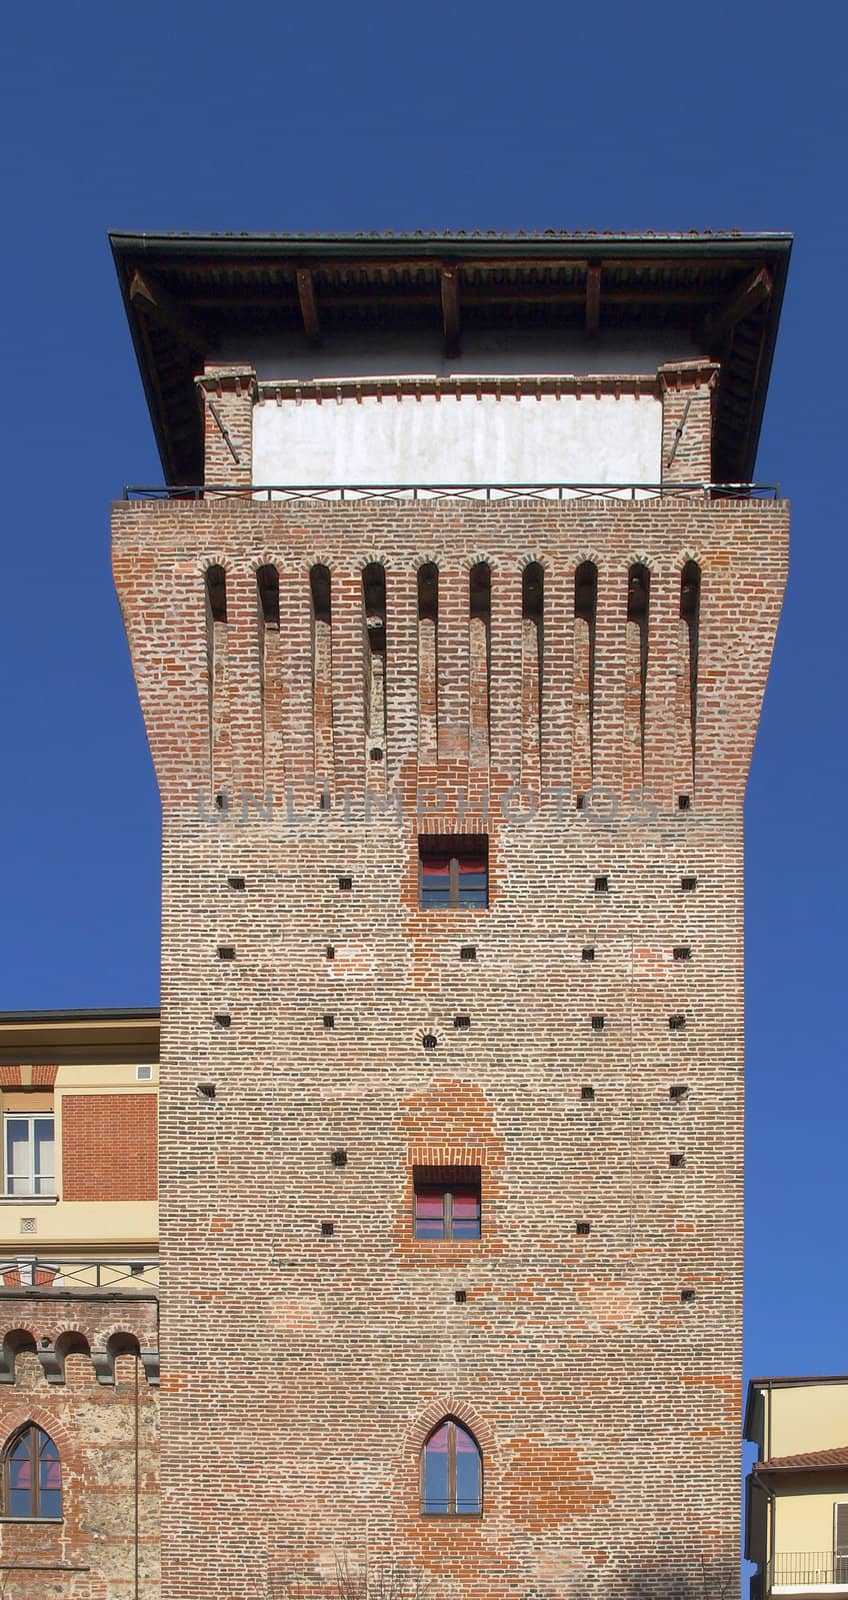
(757, 1384)
(97, 1014)
(400, 244)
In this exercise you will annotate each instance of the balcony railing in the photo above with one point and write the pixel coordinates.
(51, 1273)
(456, 491)
(817, 1569)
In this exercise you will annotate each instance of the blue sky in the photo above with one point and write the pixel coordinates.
(277, 117)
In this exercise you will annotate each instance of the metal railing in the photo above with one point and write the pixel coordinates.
(806, 1569)
(69, 1273)
(486, 492)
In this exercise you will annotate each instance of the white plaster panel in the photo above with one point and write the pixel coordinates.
(371, 441)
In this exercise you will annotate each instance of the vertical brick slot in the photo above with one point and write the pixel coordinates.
(270, 668)
(687, 676)
(479, 661)
(428, 662)
(532, 665)
(374, 604)
(636, 675)
(216, 656)
(322, 676)
(585, 614)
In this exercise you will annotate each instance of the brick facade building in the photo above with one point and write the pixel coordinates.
(79, 1274)
(451, 657)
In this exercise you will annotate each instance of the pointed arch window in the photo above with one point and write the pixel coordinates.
(32, 1475)
(451, 1472)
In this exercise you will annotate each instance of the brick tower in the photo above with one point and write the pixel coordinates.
(451, 660)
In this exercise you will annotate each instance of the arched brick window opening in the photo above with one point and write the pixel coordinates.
(638, 603)
(32, 1475)
(268, 586)
(532, 667)
(585, 614)
(428, 661)
(451, 1480)
(216, 660)
(270, 675)
(690, 612)
(374, 604)
(479, 655)
(216, 593)
(322, 674)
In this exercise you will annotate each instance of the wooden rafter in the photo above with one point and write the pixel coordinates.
(593, 297)
(158, 305)
(450, 308)
(752, 293)
(308, 305)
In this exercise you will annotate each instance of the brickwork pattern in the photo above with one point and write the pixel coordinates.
(306, 1369)
(107, 1435)
(109, 1147)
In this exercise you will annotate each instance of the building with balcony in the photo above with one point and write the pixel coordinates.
(79, 1285)
(797, 1491)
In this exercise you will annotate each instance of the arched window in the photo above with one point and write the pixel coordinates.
(451, 1473)
(32, 1475)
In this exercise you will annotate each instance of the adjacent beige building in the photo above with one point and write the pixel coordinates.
(797, 1503)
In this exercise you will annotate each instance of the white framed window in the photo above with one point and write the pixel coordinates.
(28, 1147)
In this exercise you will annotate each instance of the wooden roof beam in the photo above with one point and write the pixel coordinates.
(308, 305)
(752, 294)
(450, 309)
(593, 297)
(151, 297)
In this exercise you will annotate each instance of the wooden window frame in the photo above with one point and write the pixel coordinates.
(448, 1184)
(38, 1436)
(451, 1424)
(31, 1192)
(451, 843)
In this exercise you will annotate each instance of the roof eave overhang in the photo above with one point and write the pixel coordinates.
(130, 251)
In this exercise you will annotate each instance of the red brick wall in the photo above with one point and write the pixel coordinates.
(307, 1370)
(108, 1441)
(109, 1147)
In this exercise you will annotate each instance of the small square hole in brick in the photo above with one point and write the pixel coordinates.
(460, 1297)
(587, 953)
(222, 1019)
(376, 753)
(235, 882)
(687, 1296)
(324, 801)
(326, 1230)
(587, 1092)
(345, 883)
(583, 1227)
(682, 952)
(580, 802)
(688, 885)
(602, 885)
(677, 1022)
(221, 802)
(328, 1019)
(468, 952)
(684, 802)
(678, 1091)
(331, 952)
(226, 952)
(598, 1023)
(429, 1041)
(677, 1160)
(339, 1158)
(462, 1022)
